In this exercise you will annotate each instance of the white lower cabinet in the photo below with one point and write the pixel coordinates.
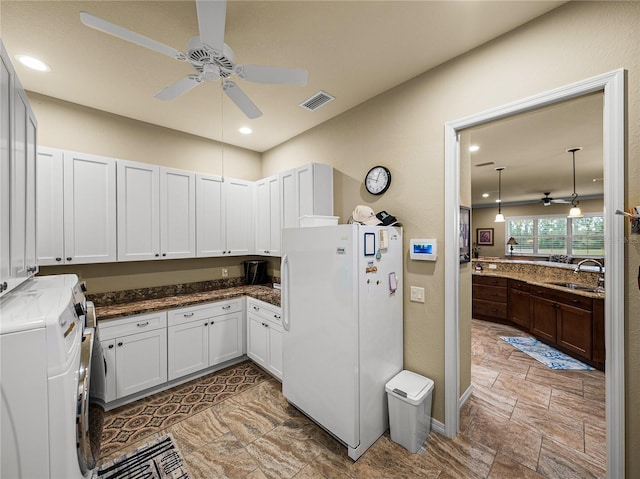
(264, 335)
(136, 353)
(204, 335)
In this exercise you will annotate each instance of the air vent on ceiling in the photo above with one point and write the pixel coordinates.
(316, 101)
(486, 164)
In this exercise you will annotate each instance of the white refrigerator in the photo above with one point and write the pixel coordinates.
(343, 327)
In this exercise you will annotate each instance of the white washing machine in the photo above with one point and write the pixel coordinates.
(44, 371)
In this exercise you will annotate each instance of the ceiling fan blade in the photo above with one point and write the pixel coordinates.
(239, 97)
(211, 21)
(265, 74)
(133, 37)
(180, 87)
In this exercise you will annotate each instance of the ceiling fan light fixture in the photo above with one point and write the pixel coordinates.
(575, 211)
(499, 216)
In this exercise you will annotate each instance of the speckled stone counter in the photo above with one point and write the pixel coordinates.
(128, 303)
(542, 273)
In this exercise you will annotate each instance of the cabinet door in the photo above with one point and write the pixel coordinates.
(177, 214)
(575, 329)
(519, 308)
(289, 203)
(6, 99)
(225, 338)
(138, 211)
(314, 189)
(544, 319)
(89, 208)
(141, 361)
(210, 216)
(274, 364)
(239, 217)
(31, 258)
(257, 339)
(109, 351)
(267, 208)
(188, 348)
(19, 189)
(50, 206)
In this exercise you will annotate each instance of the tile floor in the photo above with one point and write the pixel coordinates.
(522, 421)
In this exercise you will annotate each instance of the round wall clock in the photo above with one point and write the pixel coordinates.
(378, 180)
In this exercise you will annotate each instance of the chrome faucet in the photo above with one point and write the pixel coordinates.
(600, 270)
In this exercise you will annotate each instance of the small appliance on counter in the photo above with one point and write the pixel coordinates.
(255, 272)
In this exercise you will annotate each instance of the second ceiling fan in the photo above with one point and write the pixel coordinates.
(209, 55)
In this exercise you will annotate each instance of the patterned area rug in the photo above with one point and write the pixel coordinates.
(147, 416)
(552, 358)
(160, 459)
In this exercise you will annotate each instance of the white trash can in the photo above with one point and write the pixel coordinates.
(409, 396)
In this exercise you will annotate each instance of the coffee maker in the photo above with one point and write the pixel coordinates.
(255, 272)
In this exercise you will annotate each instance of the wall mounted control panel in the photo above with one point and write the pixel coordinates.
(423, 249)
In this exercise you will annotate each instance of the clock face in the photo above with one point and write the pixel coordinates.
(378, 180)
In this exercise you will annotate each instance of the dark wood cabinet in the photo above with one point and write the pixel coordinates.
(490, 298)
(571, 322)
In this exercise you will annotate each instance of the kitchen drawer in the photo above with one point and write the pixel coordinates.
(490, 280)
(203, 311)
(140, 323)
(489, 308)
(264, 310)
(519, 285)
(567, 297)
(490, 293)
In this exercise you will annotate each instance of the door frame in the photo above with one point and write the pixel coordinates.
(612, 84)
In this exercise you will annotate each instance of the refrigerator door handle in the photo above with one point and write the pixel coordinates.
(284, 268)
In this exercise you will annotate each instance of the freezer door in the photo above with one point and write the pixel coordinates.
(320, 297)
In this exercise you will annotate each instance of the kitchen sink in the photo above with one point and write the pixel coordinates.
(579, 287)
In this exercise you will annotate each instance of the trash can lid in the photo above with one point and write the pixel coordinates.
(409, 386)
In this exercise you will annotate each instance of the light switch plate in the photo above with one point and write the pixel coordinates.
(417, 294)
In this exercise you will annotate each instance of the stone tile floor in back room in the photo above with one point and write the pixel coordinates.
(523, 420)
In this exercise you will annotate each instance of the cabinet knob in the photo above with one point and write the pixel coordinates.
(164, 254)
(120, 344)
(31, 269)
(157, 255)
(69, 258)
(206, 324)
(4, 286)
(58, 259)
(110, 346)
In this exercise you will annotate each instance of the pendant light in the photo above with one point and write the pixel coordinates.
(499, 216)
(575, 211)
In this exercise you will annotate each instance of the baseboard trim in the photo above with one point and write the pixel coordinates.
(463, 399)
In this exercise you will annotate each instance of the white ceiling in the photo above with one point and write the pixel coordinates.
(353, 50)
(532, 147)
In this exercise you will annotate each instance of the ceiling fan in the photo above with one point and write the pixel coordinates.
(547, 200)
(209, 55)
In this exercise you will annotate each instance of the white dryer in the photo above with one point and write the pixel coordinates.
(41, 348)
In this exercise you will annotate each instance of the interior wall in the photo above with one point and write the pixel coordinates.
(484, 218)
(69, 126)
(403, 129)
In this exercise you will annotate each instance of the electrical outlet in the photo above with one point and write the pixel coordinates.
(492, 266)
(225, 272)
(417, 294)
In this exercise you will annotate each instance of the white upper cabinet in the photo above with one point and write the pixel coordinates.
(224, 216)
(18, 129)
(6, 99)
(267, 209)
(307, 190)
(156, 212)
(76, 204)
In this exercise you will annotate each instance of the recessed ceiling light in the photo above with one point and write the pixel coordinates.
(245, 130)
(33, 63)
(485, 195)
(473, 148)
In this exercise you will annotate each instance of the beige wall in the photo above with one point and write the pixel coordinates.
(403, 129)
(73, 127)
(484, 218)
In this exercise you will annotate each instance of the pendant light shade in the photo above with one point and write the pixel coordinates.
(499, 216)
(575, 211)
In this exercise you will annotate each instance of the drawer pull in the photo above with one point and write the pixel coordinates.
(110, 346)
(228, 306)
(120, 344)
(142, 325)
(255, 308)
(575, 301)
(277, 316)
(188, 315)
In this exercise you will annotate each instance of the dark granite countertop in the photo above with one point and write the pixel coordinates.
(106, 310)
